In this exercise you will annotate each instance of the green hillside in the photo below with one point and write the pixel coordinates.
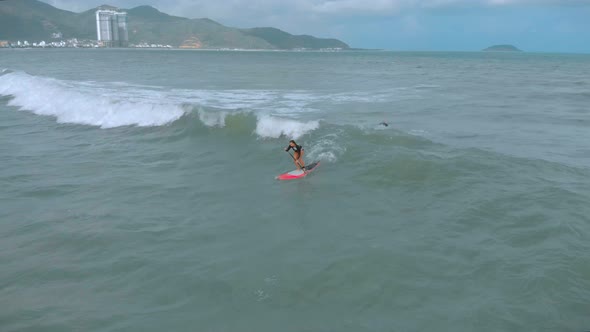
(284, 40)
(147, 24)
(34, 20)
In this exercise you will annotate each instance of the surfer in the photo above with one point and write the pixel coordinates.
(297, 154)
(384, 124)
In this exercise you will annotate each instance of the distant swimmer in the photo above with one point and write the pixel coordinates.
(384, 124)
(297, 154)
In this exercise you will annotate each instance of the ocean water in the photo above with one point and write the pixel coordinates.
(138, 191)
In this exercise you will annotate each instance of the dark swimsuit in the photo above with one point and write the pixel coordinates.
(296, 148)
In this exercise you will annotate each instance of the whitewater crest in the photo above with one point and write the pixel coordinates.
(115, 105)
(111, 105)
(212, 119)
(275, 127)
(70, 102)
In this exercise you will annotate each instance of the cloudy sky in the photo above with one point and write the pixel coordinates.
(463, 25)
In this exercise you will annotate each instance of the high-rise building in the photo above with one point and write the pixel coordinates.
(121, 19)
(111, 28)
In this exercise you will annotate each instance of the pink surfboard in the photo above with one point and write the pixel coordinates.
(298, 174)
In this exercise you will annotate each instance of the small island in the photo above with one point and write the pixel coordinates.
(502, 48)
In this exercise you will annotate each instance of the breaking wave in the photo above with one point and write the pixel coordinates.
(264, 114)
(68, 102)
(109, 105)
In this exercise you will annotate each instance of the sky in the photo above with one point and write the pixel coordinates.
(405, 25)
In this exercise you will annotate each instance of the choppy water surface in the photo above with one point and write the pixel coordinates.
(139, 192)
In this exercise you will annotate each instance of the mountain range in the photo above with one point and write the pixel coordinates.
(36, 20)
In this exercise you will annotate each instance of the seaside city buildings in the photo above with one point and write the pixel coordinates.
(111, 28)
(111, 31)
(63, 43)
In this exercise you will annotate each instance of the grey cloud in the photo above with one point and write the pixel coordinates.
(258, 12)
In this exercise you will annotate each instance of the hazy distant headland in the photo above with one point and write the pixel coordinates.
(502, 48)
(33, 20)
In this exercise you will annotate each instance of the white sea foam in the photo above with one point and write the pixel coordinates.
(279, 113)
(70, 102)
(275, 127)
(267, 126)
(212, 119)
(419, 132)
(107, 105)
(260, 100)
(325, 148)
